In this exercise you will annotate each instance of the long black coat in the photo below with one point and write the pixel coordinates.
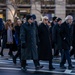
(4, 43)
(45, 52)
(28, 37)
(73, 42)
(66, 35)
(56, 37)
(52, 24)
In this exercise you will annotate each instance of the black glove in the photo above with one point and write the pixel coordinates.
(23, 45)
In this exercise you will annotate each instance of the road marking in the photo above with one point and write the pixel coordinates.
(73, 60)
(5, 68)
(68, 71)
(45, 69)
(49, 71)
(33, 70)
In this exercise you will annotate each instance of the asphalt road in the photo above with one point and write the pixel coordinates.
(8, 68)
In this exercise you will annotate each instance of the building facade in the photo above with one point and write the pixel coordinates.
(59, 8)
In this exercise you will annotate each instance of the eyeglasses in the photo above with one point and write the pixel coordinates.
(31, 18)
(46, 19)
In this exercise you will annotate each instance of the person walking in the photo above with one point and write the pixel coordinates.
(28, 44)
(8, 39)
(66, 42)
(45, 52)
(56, 38)
(17, 39)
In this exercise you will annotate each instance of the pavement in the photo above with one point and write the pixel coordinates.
(8, 67)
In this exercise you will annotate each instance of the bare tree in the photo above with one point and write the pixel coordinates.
(14, 4)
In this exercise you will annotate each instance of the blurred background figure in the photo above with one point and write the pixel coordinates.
(1, 28)
(17, 39)
(56, 37)
(8, 39)
(54, 22)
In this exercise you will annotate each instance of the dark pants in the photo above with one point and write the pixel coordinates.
(23, 63)
(65, 56)
(0, 40)
(50, 63)
(56, 50)
(50, 59)
(18, 52)
(10, 46)
(56, 53)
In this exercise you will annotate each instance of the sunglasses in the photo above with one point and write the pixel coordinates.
(31, 18)
(46, 19)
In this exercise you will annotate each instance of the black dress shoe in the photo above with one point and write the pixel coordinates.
(62, 67)
(70, 67)
(11, 54)
(51, 68)
(14, 60)
(1, 54)
(38, 67)
(23, 69)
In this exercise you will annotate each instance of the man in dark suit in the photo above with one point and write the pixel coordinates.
(66, 42)
(54, 22)
(56, 38)
(72, 52)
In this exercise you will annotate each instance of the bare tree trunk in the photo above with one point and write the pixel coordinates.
(36, 9)
(11, 9)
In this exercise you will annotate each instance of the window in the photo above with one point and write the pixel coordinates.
(2, 1)
(46, 2)
(70, 1)
(23, 1)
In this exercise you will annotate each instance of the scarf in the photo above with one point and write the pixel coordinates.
(9, 36)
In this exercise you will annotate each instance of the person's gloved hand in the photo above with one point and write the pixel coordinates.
(23, 45)
(71, 47)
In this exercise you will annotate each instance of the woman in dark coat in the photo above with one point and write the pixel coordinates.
(45, 52)
(17, 39)
(8, 39)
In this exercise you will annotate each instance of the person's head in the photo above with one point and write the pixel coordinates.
(29, 19)
(54, 19)
(19, 22)
(69, 19)
(59, 21)
(34, 17)
(9, 22)
(24, 20)
(45, 20)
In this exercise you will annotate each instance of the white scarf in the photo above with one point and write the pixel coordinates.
(9, 35)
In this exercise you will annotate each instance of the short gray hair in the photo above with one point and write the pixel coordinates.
(44, 17)
(68, 17)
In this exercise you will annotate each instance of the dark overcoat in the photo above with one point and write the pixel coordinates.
(4, 43)
(66, 35)
(45, 52)
(73, 43)
(56, 37)
(28, 37)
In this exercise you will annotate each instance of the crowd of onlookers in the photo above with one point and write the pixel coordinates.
(37, 41)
